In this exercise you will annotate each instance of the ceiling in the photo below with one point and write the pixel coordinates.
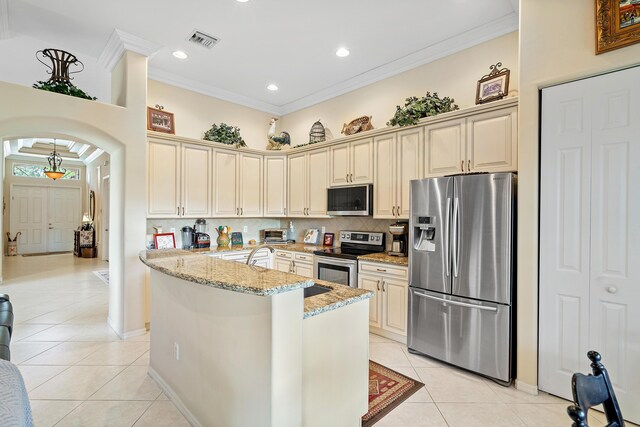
(291, 43)
(42, 148)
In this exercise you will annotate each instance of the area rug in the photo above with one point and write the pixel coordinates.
(47, 253)
(387, 389)
(102, 275)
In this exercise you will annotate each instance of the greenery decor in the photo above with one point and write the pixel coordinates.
(226, 134)
(64, 88)
(416, 108)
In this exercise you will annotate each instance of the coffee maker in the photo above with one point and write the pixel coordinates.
(201, 239)
(400, 232)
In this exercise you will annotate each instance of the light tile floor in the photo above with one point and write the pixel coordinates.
(78, 373)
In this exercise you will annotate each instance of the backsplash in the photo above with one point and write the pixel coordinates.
(254, 226)
(335, 225)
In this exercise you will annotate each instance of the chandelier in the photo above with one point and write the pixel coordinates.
(54, 171)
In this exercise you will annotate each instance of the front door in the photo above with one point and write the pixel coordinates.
(29, 217)
(64, 217)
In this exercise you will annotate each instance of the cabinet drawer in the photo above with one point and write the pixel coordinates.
(303, 257)
(284, 255)
(383, 269)
(243, 256)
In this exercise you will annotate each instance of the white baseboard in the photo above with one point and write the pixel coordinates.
(174, 398)
(392, 336)
(113, 326)
(134, 333)
(527, 388)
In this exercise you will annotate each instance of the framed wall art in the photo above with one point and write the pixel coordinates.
(493, 86)
(617, 24)
(160, 120)
(328, 239)
(164, 241)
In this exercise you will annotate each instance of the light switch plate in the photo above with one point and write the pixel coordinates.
(245, 229)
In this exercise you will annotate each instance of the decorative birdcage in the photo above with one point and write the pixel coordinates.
(61, 62)
(317, 133)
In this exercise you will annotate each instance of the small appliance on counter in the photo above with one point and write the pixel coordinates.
(274, 235)
(400, 232)
(201, 239)
(187, 237)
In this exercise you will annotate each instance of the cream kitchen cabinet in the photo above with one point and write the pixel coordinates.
(308, 178)
(351, 163)
(261, 258)
(485, 142)
(397, 160)
(237, 184)
(275, 186)
(388, 307)
(179, 180)
(294, 262)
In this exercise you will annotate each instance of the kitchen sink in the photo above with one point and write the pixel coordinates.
(315, 290)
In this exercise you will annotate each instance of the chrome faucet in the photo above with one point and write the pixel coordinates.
(256, 249)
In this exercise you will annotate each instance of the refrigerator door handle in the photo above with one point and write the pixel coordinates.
(456, 236)
(447, 239)
(460, 304)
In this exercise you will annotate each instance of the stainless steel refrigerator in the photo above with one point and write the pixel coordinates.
(461, 271)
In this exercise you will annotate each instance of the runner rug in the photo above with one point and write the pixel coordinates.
(387, 389)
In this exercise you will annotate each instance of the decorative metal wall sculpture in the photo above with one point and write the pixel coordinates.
(360, 124)
(60, 71)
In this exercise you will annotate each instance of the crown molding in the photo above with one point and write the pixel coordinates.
(119, 42)
(4, 20)
(481, 34)
(205, 89)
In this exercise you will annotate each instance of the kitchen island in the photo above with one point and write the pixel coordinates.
(238, 345)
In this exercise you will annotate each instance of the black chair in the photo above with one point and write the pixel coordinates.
(592, 390)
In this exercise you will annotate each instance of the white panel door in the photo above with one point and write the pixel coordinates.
(196, 181)
(64, 212)
(491, 141)
(297, 184)
(250, 185)
(615, 233)
(163, 180)
(372, 283)
(394, 305)
(28, 216)
(445, 148)
(564, 236)
(408, 167)
(225, 184)
(361, 160)
(317, 182)
(339, 169)
(384, 187)
(275, 186)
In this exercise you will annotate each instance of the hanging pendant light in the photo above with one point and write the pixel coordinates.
(54, 171)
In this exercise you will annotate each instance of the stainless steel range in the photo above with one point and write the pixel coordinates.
(340, 265)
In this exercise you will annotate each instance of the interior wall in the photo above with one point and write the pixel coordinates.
(96, 170)
(194, 113)
(557, 44)
(22, 67)
(454, 76)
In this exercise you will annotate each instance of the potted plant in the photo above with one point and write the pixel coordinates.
(63, 87)
(225, 134)
(416, 108)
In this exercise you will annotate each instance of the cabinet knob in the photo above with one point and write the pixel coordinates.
(383, 286)
(612, 289)
(462, 165)
(378, 286)
(468, 165)
(393, 211)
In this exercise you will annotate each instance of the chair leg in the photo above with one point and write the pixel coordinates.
(578, 416)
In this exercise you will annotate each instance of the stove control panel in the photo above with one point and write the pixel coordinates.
(362, 237)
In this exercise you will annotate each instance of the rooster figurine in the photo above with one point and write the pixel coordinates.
(277, 142)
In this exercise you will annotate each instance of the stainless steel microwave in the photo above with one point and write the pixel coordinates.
(353, 200)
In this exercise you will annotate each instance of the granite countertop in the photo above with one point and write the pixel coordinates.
(217, 273)
(295, 247)
(339, 296)
(384, 258)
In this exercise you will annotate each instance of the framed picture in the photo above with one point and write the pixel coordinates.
(328, 239)
(164, 241)
(494, 85)
(160, 120)
(617, 24)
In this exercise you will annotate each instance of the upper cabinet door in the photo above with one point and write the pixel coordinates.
(225, 184)
(297, 184)
(492, 141)
(384, 187)
(361, 160)
(250, 194)
(339, 168)
(196, 181)
(445, 148)
(408, 167)
(318, 180)
(275, 186)
(164, 180)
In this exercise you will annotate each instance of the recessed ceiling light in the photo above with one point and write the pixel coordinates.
(180, 54)
(272, 87)
(342, 52)
(242, 1)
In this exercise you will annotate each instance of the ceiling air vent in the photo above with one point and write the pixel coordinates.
(198, 37)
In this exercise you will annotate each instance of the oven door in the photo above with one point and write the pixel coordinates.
(337, 270)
